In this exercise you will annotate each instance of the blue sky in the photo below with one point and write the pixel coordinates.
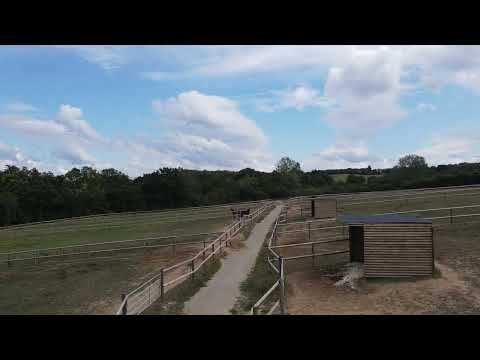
(138, 108)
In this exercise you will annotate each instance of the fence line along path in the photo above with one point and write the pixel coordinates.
(221, 292)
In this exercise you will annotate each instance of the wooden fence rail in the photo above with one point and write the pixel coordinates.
(103, 247)
(279, 269)
(155, 288)
(134, 214)
(406, 192)
(442, 195)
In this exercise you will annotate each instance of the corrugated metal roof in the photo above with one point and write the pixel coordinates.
(382, 219)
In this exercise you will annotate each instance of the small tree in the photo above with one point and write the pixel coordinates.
(287, 165)
(412, 162)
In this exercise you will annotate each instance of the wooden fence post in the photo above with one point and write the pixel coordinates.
(213, 249)
(282, 290)
(162, 281)
(204, 247)
(313, 257)
(193, 269)
(124, 307)
(451, 212)
(8, 260)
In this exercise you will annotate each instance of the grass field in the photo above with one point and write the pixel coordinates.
(406, 204)
(92, 285)
(113, 228)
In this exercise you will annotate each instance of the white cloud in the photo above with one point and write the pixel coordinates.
(160, 75)
(426, 107)
(18, 107)
(68, 133)
(434, 65)
(106, 56)
(13, 156)
(345, 155)
(210, 131)
(31, 126)
(68, 122)
(71, 118)
(209, 116)
(452, 148)
(8, 153)
(366, 92)
(298, 98)
(74, 155)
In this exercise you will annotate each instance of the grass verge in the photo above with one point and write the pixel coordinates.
(176, 298)
(259, 280)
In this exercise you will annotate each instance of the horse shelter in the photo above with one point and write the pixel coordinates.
(391, 245)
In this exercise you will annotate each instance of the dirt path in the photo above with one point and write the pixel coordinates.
(218, 296)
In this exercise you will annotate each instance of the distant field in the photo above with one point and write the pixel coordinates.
(114, 227)
(424, 201)
(26, 240)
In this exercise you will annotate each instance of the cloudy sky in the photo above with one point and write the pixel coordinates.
(138, 108)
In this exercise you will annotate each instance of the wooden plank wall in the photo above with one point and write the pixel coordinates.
(325, 208)
(398, 250)
(299, 209)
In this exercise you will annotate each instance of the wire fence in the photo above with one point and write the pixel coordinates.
(138, 300)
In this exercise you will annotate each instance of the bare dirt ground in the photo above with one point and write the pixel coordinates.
(455, 289)
(312, 293)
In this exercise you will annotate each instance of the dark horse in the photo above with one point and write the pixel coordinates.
(240, 213)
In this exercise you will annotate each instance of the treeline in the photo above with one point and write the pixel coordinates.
(28, 195)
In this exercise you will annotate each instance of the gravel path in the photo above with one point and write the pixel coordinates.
(220, 293)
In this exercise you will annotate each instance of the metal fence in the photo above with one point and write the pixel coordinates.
(155, 288)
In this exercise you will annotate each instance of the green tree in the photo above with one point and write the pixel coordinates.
(287, 165)
(8, 208)
(412, 161)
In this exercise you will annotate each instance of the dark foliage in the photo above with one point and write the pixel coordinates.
(28, 195)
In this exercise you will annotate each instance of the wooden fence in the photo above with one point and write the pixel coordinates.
(37, 255)
(280, 283)
(305, 230)
(155, 288)
(114, 218)
(370, 195)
